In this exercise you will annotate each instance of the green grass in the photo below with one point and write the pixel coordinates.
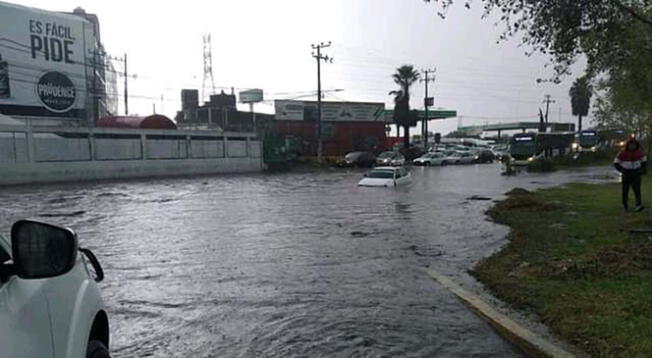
(572, 261)
(573, 160)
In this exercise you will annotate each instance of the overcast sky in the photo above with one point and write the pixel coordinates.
(266, 44)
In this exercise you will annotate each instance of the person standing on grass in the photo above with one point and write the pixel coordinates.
(632, 163)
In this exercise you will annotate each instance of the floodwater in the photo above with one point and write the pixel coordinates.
(287, 265)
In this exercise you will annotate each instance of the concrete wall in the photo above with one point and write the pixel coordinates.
(29, 156)
(118, 149)
(237, 148)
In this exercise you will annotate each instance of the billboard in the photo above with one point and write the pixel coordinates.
(251, 96)
(43, 62)
(331, 111)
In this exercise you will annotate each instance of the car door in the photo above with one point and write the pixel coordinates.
(24, 317)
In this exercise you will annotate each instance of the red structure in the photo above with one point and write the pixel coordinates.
(343, 137)
(155, 121)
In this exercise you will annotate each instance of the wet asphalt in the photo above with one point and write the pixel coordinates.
(287, 265)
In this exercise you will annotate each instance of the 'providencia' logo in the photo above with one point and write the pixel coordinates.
(56, 91)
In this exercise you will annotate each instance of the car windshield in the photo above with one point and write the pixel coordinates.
(387, 155)
(381, 174)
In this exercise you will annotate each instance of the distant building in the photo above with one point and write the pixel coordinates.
(346, 126)
(220, 113)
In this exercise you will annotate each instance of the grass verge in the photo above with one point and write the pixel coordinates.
(572, 260)
(573, 160)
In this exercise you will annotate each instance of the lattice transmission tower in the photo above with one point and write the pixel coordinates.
(208, 67)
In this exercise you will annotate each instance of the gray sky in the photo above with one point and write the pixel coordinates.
(266, 44)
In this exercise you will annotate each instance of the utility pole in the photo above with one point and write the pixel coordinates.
(427, 102)
(126, 90)
(547, 100)
(319, 57)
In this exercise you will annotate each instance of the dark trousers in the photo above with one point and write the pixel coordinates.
(633, 181)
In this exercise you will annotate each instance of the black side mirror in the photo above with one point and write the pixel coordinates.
(42, 250)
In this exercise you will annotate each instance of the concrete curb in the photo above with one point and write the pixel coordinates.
(529, 342)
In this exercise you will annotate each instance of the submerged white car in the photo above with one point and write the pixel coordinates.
(386, 177)
(50, 304)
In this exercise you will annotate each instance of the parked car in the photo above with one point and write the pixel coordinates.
(50, 304)
(466, 158)
(451, 157)
(357, 159)
(432, 158)
(485, 156)
(391, 159)
(386, 177)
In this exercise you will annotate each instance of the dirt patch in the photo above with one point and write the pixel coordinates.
(518, 191)
(607, 262)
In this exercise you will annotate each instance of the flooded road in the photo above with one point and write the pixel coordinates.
(286, 265)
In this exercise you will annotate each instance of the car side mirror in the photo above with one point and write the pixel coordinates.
(42, 250)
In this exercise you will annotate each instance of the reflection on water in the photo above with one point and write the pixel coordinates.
(286, 265)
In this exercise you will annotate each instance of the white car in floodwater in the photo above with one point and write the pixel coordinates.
(432, 158)
(386, 177)
(50, 304)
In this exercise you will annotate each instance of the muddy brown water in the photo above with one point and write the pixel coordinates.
(287, 265)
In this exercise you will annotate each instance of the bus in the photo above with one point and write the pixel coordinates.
(588, 140)
(526, 147)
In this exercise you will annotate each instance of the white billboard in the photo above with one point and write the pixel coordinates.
(331, 111)
(251, 96)
(43, 62)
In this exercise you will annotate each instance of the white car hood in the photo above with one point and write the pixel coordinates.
(376, 182)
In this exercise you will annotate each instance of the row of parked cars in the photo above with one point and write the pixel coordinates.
(437, 156)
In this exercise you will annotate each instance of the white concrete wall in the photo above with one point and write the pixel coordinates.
(118, 149)
(255, 149)
(166, 148)
(48, 172)
(27, 157)
(51, 149)
(237, 148)
(201, 148)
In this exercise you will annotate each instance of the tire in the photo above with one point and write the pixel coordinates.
(97, 349)
(427, 164)
(444, 163)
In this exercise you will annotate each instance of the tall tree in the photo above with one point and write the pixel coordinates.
(580, 94)
(405, 76)
(566, 29)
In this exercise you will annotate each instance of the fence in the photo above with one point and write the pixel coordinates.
(47, 144)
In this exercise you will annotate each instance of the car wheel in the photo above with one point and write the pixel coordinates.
(427, 164)
(97, 349)
(444, 163)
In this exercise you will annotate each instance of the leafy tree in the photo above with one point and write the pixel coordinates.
(565, 29)
(405, 76)
(580, 94)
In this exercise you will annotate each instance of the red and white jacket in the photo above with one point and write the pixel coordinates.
(631, 162)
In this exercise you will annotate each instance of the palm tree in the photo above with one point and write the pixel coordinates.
(580, 94)
(404, 77)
